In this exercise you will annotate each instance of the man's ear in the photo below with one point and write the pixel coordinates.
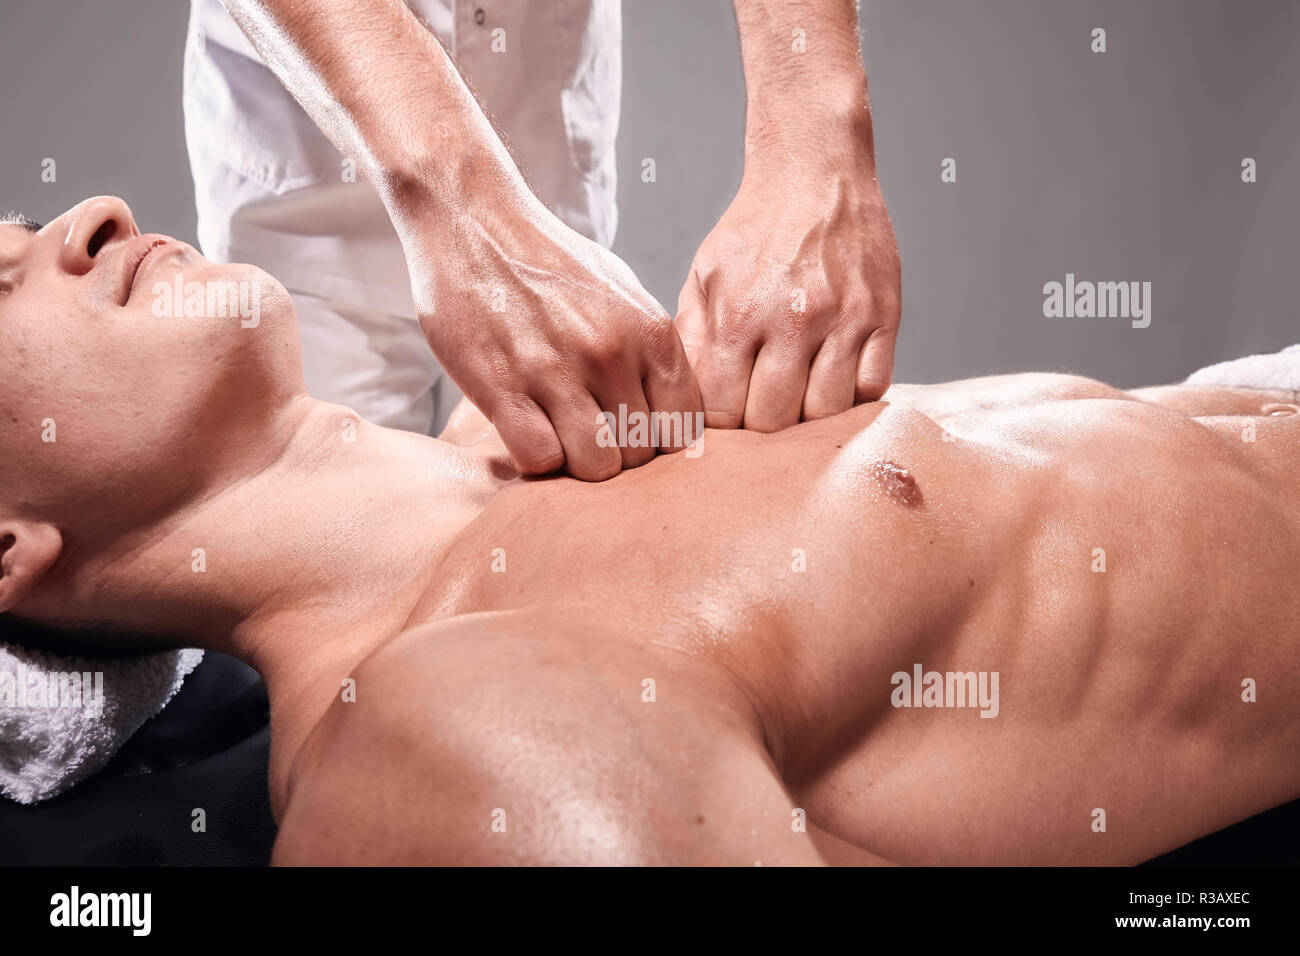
(27, 549)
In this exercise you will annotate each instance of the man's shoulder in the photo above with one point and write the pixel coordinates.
(378, 746)
(422, 678)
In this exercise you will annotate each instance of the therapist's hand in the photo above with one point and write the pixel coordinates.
(791, 308)
(543, 330)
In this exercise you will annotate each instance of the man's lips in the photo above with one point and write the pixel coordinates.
(133, 260)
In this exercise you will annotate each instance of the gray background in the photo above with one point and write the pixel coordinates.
(1116, 166)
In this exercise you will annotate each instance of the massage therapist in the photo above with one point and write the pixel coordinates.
(325, 135)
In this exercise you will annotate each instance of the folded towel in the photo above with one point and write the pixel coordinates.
(63, 718)
(1274, 371)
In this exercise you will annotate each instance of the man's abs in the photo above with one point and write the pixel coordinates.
(1076, 572)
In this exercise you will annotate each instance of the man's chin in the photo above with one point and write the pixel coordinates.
(237, 295)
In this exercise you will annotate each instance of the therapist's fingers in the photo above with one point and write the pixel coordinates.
(876, 365)
(577, 418)
(528, 435)
(832, 380)
(628, 405)
(722, 367)
(776, 387)
(670, 388)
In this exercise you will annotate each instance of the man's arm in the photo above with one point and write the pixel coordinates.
(522, 738)
(577, 333)
(792, 305)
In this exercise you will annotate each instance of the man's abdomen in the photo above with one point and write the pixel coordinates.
(1115, 644)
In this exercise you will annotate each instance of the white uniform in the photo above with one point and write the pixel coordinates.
(272, 190)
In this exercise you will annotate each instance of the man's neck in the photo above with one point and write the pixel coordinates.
(301, 562)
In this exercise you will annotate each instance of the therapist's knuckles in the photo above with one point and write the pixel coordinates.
(598, 349)
(660, 341)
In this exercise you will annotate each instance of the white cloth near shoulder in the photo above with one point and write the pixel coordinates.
(1274, 370)
(63, 718)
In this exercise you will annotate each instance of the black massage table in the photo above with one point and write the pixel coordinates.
(208, 749)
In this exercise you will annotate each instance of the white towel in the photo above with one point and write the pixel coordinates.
(1274, 370)
(63, 718)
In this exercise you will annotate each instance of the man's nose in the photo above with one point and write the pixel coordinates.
(94, 227)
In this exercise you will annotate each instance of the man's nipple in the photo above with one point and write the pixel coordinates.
(898, 482)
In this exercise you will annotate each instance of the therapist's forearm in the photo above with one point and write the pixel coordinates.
(804, 78)
(538, 325)
(380, 86)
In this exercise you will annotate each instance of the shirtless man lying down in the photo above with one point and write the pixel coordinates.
(708, 659)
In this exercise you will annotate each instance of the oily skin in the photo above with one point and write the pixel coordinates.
(1121, 690)
(523, 690)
